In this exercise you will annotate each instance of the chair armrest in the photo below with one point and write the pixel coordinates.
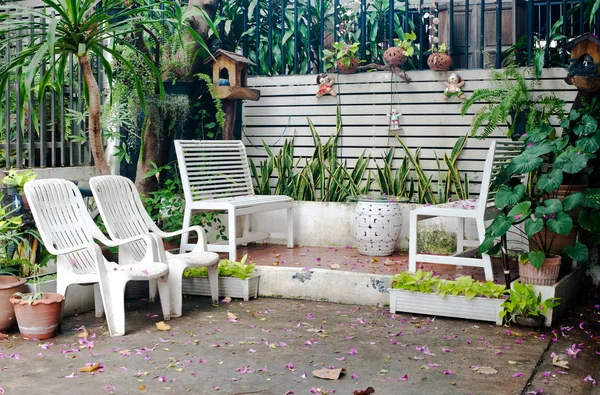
(200, 245)
(70, 250)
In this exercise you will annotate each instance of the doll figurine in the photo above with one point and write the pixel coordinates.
(395, 120)
(325, 83)
(454, 87)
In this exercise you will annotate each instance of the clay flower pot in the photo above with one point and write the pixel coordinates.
(439, 61)
(8, 286)
(394, 56)
(41, 319)
(544, 275)
(351, 69)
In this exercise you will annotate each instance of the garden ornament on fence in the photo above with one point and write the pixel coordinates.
(395, 119)
(325, 83)
(454, 87)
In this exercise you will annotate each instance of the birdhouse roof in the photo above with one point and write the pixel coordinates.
(580, 39)
(231, 55)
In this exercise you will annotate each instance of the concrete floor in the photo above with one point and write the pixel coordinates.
(271, 346)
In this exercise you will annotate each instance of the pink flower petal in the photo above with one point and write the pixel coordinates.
(353, 351)
(448, 372)
(518, 374)
(589, 379)
(404, 378)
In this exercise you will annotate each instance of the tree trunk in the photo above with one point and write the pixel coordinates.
(201, 27)
(155, 148)
(229, 106)
(95, 132)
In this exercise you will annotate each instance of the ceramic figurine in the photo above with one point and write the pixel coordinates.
(325, 83)
(454, 87)
(395, 119)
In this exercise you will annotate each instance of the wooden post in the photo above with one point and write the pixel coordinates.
(229, 106)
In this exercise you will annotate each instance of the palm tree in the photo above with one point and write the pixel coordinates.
(80, 28)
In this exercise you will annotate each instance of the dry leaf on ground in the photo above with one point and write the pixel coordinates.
(485, 370)
(84, 333)
(161, 326)
(367, 391)
(328, 374)
(559, 363)
(90, 368)
(335, 266)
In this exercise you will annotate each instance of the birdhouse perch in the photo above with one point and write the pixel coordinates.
(230, 76)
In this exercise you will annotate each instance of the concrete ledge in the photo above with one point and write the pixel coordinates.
(324, 284)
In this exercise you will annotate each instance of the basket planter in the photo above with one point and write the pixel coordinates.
(439, 61)
(477, 308)
(395, 56)
(228, 286)
(544, 275)
(350, 69)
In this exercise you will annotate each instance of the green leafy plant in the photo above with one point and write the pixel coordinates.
(407, 43)
(523, 301)
(220, 114)
(427, 282)
(441, 48)
(510, 94)
(342, 51)
(17, 179)
(227, 268)
(394, 183)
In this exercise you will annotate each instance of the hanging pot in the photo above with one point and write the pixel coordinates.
(439, 61)
(41, 319)
(547, 274)
(395, 56)
(350, 69)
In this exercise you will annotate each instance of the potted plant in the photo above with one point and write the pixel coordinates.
(533, 205)
(439, 59)
(510, 101)
(343, 57)
(17, 179)
(524, 307)
(236, 280)
(425, 293)
(398, 55)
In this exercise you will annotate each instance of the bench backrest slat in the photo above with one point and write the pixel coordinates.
(213, 169)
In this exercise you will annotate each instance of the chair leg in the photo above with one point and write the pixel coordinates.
(152, 290)
(232, 231)
(485, 258)
(412, 243)
(113, 297)
(246, 227)
(213, 280)
(163, 291)
(98, 304)
(61, 288)
(176, 269)
(290, 226)
(187, 216)
(460, 238)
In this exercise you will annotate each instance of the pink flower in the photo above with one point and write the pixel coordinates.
(589, 379)
(518, 374)
(404, 378)
(448, 372)
(353, 351)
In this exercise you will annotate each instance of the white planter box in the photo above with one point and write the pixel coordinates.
(228, 286)
(567, 289)
(478, 308)
(80, 298)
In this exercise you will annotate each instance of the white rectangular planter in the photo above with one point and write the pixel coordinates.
(478, 308)
(228, 286)
(567, 289)
(80, 298)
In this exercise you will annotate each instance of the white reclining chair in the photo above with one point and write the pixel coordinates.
(216, 177)
(481, 210)
(68, 231)
(124, 216)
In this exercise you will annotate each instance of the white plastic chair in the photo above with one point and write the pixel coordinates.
(124, 216)
(480, 209)
(68, 232)
(216, 177)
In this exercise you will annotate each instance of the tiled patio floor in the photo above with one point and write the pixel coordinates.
(348, 259)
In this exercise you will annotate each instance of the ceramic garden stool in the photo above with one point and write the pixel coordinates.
(377, 224)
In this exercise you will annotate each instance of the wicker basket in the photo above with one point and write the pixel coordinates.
(547, 274)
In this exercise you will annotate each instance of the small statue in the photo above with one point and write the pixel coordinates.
(395, 119)
(325, 83)
(454, 87)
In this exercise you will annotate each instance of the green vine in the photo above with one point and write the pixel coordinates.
(220, 115)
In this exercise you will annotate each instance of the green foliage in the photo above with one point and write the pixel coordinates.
(523, 301)
(393, 183)
(407, 42)
(165, 205)
(510, 94)
(427, 282)
(436, 240)
(227, 268)
(17, 179)
(342, 51)
(220, 114)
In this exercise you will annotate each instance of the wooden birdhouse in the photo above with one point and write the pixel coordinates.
(230, 76)
(584, 68)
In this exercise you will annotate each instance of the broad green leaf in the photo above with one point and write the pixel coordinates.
(571, 161)
(551, 206)
(573, 200)
(533, 226)
(524, 163)
(578, 252)
(508, 197)
(562, 224)
(589, 144)
(499, 226)
(536, 258)
(519, 212)
(550, 181)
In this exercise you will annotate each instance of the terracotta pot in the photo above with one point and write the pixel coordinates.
(544, 275)
(559, 243)
(530, 322)
(395, 56)
(8, 286)
(351, 69)
(41, 320)
(439, 61)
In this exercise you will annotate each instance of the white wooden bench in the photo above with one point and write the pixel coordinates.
(216, 177)
(481, 210)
